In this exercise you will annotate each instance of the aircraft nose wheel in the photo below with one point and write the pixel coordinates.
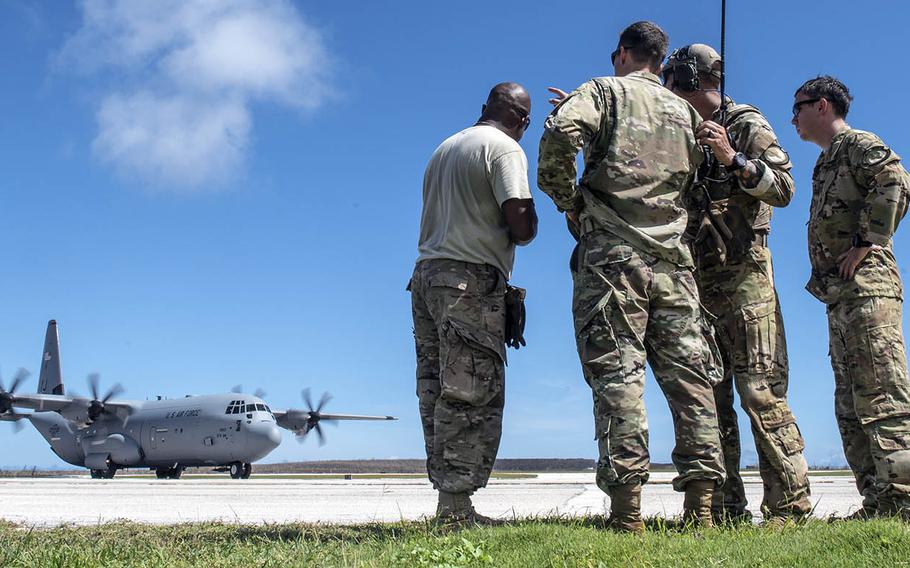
(240, 470)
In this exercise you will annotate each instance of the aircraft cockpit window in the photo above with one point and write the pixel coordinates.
(260, 407)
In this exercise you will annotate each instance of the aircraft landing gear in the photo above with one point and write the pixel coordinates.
(169, 472)
(240, 470)
(104, 473)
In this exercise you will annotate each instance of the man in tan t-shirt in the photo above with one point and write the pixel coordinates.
(476, 207)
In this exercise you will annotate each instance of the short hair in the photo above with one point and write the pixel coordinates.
(646, 42)
(502, 104)
(502, 96)
(828, 88)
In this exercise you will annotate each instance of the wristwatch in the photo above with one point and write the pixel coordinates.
(739, 162)
(858, 242)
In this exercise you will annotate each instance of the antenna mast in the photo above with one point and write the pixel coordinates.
(723, 61)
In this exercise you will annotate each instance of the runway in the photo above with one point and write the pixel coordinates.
(84, 501)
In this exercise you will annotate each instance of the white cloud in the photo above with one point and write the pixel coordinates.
(183, 75)
(173, 140)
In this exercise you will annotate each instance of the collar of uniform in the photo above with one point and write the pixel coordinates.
(645, 75)
(831, 152)
(730, 103)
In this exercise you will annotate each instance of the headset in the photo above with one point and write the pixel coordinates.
(684, 70)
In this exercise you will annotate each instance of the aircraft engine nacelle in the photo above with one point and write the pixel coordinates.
(121, 449)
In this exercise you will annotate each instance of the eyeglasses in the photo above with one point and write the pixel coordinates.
(798, 106)
(524, 118)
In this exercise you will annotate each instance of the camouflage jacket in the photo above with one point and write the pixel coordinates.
(859, 191)
(746, 211)
(640, 156)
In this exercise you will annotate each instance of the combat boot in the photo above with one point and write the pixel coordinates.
(456, 511)
(897, 507)
(731, 516)
(625, 509)
(789, 515)
(697, 503)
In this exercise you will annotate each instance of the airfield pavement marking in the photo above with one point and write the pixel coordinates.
(84, 501)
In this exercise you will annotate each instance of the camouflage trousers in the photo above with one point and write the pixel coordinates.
(459, 327)
(750, 333)
(872, 397)
(629, 308)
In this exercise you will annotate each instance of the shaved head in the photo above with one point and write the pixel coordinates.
(508, 103)
(510, 95)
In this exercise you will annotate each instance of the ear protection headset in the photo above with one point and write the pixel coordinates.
(684, 68)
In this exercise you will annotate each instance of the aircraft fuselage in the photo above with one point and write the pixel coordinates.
(213, 430)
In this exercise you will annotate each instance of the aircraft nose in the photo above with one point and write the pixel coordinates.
(266, 434)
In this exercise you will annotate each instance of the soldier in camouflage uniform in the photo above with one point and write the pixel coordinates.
(736, 284)
(476, 207)
(635, 298)
(859, 195)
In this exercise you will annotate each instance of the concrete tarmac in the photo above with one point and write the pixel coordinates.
(84, 501)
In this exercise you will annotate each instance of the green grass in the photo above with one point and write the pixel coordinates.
(522, 544)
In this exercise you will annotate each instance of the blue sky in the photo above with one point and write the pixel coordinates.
(204, 198)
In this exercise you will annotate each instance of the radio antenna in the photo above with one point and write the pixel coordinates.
(723, 61)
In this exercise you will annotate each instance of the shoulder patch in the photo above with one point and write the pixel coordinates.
(775, 156)
(875, 156)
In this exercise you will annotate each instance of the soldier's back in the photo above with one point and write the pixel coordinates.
(639, 164)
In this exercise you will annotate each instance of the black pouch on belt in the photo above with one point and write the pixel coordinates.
(515, 316)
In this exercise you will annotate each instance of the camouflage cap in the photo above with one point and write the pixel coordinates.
(705, 58)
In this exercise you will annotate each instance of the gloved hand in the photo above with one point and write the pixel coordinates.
(515, 316)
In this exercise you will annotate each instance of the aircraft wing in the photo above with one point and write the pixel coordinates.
(354, 417)
(42, 402)
(302, 420)
(71, 408)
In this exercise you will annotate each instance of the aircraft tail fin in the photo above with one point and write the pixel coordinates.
(51, 379)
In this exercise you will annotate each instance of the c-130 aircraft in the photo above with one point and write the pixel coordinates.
(225, 431)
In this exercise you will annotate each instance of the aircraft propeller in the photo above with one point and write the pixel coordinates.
(96, 406)
(7, 414)
(7, 395)
(315, 416)
(15, 418)
(258, 393)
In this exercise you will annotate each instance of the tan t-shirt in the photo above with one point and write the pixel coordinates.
(467, 180)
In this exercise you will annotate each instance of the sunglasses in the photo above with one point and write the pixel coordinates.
(524, 118)
(799, 105)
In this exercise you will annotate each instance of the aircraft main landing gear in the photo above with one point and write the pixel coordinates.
(240, 470)
(104, 473)
(169, 472)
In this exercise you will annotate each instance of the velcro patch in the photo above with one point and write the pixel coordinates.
(875, 156)
(775, 156)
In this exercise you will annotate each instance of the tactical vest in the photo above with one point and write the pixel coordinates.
(748, 218)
